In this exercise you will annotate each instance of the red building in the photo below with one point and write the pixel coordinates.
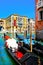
(39, 19)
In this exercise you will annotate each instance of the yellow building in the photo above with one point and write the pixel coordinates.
(15, 22)
(25, 23)
(21, 22)
(8, 23)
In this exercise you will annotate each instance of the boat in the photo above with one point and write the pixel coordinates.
(37, 48)
(21, 56)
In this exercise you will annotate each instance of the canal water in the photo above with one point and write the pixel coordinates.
(5, 58)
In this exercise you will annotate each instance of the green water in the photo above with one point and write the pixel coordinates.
(5, 58)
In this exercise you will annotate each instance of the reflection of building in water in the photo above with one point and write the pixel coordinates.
(2, 24)
(39, 19)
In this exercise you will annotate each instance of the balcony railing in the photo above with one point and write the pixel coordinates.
(40, 4)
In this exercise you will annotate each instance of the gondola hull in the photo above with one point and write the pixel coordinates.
(38, 49)
(27, 58)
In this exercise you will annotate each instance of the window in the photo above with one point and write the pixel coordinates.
(41, 15)
(20, 21)
(40, 3)
(40, 0)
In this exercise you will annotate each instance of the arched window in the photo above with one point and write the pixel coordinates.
(40, 16)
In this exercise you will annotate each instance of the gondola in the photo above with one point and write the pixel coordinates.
(21, 56)
(37, 48)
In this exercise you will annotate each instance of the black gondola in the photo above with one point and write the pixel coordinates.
(28, 58)
(37, 48)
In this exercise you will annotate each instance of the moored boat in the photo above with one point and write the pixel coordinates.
(37, 48)
(21, 56)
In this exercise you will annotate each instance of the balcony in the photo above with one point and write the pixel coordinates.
(40, 4)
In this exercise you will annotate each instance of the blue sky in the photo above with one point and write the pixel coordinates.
(21, 7)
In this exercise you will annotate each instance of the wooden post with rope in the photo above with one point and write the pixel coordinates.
(30, 37)
(38, 60)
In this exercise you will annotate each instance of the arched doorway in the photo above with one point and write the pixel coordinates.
(1, 25)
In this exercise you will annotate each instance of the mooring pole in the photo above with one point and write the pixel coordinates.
(31, 37)
(38, 60)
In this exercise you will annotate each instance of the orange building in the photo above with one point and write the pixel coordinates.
(39, 19)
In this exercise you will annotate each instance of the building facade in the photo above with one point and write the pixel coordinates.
(18, 22)
(22, 22)
(39, 19)
(2, 25)
(32, 21)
